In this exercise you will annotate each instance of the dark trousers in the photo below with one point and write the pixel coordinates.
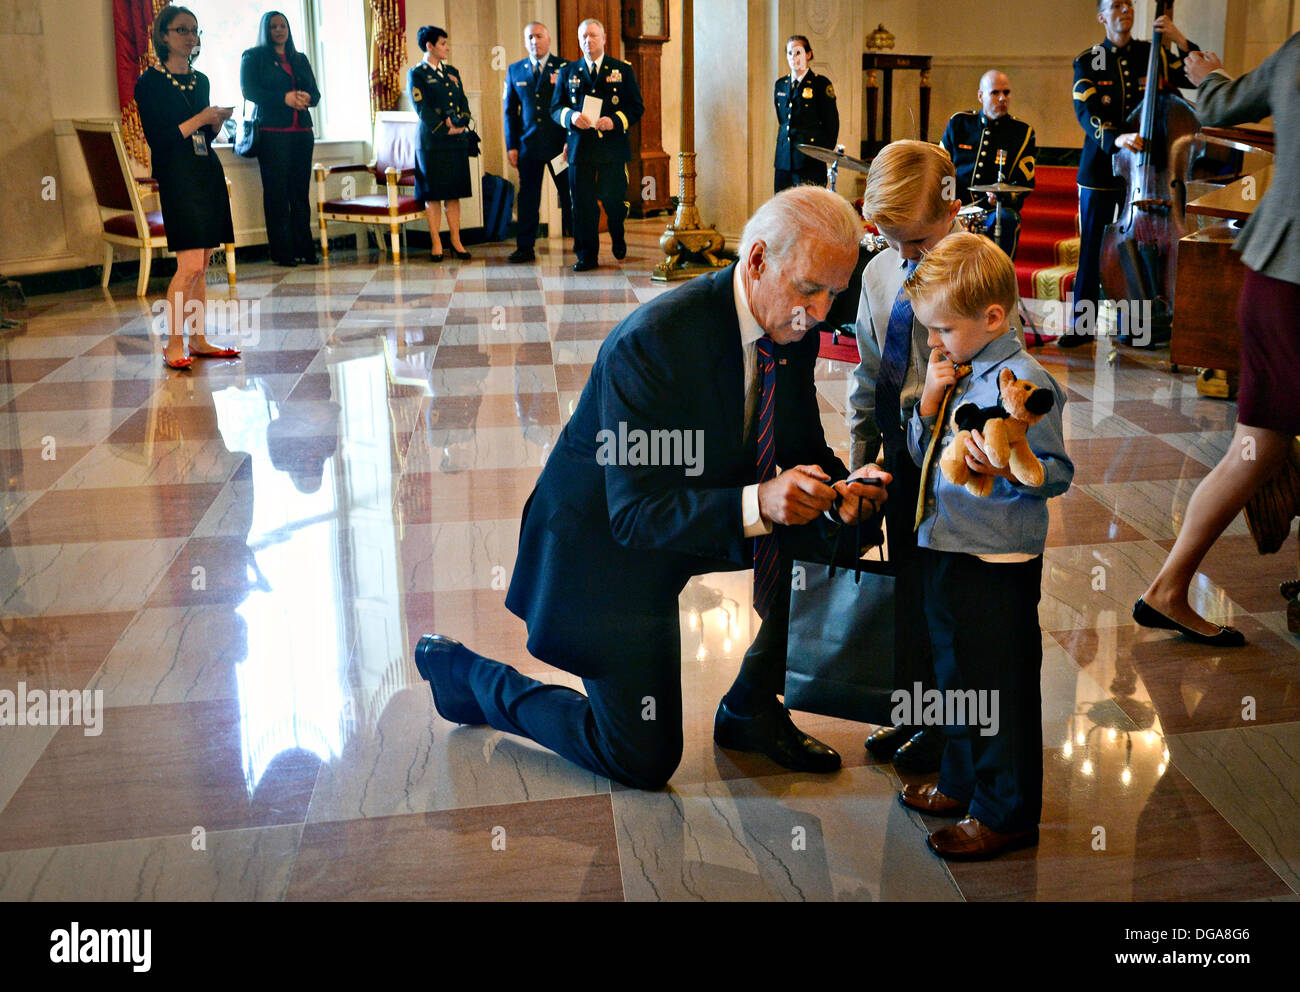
(628, 726)
(913, 660)
(605, 182)
(811, 173)
(983, 620)
(284, 158)
(1010, 239)
(531, 174)
(1097, 208)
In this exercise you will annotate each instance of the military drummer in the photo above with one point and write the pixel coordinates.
(806, 115)
(974, 138)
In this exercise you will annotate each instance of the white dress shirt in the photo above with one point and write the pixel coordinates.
(750, 332)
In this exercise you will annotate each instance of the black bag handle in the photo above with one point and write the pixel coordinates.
(835, 554)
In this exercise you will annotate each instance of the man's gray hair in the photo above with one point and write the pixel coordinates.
(592, 20)
(798, 217)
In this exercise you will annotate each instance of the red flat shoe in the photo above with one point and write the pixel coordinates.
(180, 365)
(216, 353)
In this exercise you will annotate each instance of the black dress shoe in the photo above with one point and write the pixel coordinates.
(584, 266)
(520, 255)
(773, 733)
(922, 754)
(1072, 340)
(1148, 616)
(444, 663)
(461, 254)
(887, 740)
(286, 263)
(620, 249)
(312, 259)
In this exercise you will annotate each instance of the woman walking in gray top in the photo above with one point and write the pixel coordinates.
(1268, 409)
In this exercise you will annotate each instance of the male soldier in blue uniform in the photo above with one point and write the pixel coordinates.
(533, 139)
(973, 140)
(806, 114)
(599, 150)
(1109, 83)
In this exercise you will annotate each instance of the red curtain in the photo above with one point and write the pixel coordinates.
(132, 21)
(387, 53)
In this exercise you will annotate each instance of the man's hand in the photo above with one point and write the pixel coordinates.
(978, 461)
(859, 501)
(797, 496)
(1166, 26)
(1133, 141)
(605, 124)
(513, 156)
(581, 122)
(939, 375)
(1200, 65)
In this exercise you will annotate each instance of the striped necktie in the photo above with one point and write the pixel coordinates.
(894, 360)
(936, 432)
(765, 545)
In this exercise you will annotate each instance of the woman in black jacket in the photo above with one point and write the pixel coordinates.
(278, 79)
(442, 158)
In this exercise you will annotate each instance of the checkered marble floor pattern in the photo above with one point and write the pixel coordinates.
(242, 558)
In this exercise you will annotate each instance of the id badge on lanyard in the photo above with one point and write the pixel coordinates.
(200, 139)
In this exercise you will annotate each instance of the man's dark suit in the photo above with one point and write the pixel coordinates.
(532, 133)
(597, 159)
(604, 550)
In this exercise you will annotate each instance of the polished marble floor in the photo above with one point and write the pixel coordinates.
(241, 559)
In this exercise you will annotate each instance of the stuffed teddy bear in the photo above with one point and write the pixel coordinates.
(1003, 426)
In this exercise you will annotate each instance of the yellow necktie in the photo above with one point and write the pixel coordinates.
(936, 432)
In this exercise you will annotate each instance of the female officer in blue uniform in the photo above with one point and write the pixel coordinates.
(806, 115)
(442, 160)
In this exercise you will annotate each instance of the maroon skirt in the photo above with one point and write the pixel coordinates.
(1269, 318)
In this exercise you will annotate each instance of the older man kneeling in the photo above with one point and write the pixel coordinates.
(612, 534)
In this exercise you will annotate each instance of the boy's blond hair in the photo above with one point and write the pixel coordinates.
(966, 274)
(910, 182)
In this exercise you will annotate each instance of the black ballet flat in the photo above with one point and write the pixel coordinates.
(1148, 616)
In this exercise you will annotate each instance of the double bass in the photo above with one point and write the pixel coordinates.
(1139, 251)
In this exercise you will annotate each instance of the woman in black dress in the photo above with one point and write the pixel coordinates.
(278, 79)
(442, 160)
(180, 127)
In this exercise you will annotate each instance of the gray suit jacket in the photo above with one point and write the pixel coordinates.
(1270, 241)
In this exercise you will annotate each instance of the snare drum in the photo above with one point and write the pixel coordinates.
(973, 218)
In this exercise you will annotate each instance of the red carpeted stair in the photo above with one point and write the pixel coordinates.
(1049, 234)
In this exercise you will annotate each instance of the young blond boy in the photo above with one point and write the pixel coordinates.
(982, 557)
(911, 199)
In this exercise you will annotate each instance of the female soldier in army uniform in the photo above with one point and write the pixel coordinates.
(806, 114)
(442, 159)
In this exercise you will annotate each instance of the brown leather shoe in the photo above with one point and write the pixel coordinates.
(928, 799)
(970, 840)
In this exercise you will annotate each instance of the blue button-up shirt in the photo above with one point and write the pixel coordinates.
(1013, 519)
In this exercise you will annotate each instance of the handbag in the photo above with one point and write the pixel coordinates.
(472, 139)
(246, 133)
(840, 650)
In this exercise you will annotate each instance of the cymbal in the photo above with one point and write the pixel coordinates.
(1000, 188)
(831, 158)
